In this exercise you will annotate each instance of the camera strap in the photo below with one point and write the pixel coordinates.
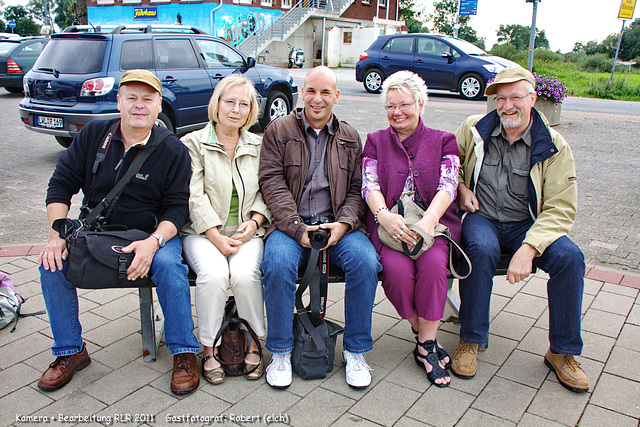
(317, 267)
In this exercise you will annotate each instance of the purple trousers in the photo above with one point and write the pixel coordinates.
(416, 287)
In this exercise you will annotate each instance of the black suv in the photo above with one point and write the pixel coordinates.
(75, 79)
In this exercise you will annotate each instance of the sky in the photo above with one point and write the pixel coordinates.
(564, 22)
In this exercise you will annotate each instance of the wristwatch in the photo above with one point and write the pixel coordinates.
(161, 241)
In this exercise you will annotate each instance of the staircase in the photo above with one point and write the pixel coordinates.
(289, 22)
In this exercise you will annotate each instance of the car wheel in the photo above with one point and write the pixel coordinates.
(163, 121)
(373, 81)
(277, 105)
(14, 89)
(64, 141)
(471, 87)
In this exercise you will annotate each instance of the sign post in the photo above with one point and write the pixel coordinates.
(532, 34)
(627, 8)
(12, 25)
(465, 7)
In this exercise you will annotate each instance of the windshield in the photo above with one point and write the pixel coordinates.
(466, 47)
(7, 46)
(72, 56)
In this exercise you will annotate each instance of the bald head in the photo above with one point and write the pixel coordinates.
(320, 93)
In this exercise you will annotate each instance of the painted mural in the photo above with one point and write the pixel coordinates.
(230, 22)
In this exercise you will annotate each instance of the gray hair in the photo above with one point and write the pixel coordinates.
(407, 82)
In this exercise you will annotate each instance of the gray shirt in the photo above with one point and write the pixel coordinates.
(502, 185)
(316, 195)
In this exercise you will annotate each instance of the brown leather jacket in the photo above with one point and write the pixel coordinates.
(284, 162)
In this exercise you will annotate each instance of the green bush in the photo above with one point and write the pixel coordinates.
(547, 55)
(599, 62)
(599, 88)
(574, 57)
(508, 51)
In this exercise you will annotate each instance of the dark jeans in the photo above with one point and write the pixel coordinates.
(484, 240)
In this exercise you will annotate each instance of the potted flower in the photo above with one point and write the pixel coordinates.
(551, 93)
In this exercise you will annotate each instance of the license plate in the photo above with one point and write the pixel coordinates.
(49, 122)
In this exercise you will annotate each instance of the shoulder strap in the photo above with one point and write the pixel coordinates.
(115, 192)
(318, 294)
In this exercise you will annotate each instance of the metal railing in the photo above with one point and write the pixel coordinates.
(286, 24)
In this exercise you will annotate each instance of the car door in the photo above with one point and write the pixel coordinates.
(220, 60)
(184, 81)
(397, 54)
(26, 56)
(437, 71)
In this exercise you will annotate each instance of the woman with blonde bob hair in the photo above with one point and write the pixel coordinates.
(222, 242)
(411, 157)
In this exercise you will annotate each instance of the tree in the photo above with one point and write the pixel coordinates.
(444, 19)
(630, 44)
(16, 13)
(26, 27)
(42, 10)
(518, 35)
(407, 12)
(65, 13)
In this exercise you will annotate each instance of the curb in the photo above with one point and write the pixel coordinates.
(615, 277)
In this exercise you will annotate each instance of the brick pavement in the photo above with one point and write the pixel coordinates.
(512, 387)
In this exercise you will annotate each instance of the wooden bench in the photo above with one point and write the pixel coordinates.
(152, 318)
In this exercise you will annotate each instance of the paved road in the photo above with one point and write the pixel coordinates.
(602, 134)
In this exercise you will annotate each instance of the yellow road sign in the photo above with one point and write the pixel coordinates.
(626, 9)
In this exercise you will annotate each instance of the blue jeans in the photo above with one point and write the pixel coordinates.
(354, 253)
(483, 240)
(168, 273)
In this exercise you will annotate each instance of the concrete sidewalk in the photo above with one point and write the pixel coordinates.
(512, 387)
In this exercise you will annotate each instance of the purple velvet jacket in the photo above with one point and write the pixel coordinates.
(426, 147)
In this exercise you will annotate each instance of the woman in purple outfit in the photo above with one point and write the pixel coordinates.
(410, 157)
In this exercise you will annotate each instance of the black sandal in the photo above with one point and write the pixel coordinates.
(432, 359)
(442, 353)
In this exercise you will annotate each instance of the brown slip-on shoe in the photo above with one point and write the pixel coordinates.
(568, 371)
(465, 360)
(185, 377)
(60, 372)
(257, 373)
(216, 375)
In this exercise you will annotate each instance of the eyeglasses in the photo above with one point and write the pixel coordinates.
(403, 107)
(514, 99)
(230, 103)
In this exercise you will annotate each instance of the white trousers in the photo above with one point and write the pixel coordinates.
(240, 273)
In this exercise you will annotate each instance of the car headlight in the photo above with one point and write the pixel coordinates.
(493, 68)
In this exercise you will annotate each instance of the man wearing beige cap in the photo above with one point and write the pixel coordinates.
(155, 200)
(517, 194)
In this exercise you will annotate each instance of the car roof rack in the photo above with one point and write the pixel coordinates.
(129, 28)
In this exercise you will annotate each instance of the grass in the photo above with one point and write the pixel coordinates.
(625, 86)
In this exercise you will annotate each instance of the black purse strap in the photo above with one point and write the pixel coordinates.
(115, 192)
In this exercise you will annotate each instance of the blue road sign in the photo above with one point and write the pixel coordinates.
(11, 24)
(468, 7)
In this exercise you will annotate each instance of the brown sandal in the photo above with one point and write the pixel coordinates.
(259, 367)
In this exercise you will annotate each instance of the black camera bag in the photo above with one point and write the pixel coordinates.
(314, 344)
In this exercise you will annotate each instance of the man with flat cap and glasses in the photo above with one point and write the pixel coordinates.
(517, 194)
(155, 201)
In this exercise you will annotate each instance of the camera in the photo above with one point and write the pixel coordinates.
(320, 237)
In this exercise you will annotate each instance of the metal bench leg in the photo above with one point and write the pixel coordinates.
(452, 298)
(152, 324)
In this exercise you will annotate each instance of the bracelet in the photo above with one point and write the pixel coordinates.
(257, 225)
(434, 215)
(375, 215)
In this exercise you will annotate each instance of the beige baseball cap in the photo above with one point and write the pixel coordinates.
(509, 75)
(141, 76)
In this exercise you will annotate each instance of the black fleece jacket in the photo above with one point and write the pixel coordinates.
(159, 192)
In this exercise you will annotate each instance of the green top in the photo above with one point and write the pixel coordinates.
(233, 208)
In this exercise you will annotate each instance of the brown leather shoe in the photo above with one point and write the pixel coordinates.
(185, 377)
(568, 371)
(62, 369)
(465, 360)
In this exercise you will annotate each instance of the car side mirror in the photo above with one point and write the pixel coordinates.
(449, 56)
(251, 62)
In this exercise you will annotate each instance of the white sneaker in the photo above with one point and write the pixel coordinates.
(357, 370)
(279, 371)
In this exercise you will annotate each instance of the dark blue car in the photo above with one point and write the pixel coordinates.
(76, 77)
(443, 62)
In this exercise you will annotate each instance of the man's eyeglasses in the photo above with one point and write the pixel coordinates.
(514, 99)
(230, 103)
(391, 108)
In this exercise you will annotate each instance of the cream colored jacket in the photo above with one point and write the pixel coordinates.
(213, 173)
(552, 189)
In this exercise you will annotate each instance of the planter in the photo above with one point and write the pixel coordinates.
(550, 110)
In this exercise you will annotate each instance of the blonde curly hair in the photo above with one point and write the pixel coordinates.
(407, 82)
